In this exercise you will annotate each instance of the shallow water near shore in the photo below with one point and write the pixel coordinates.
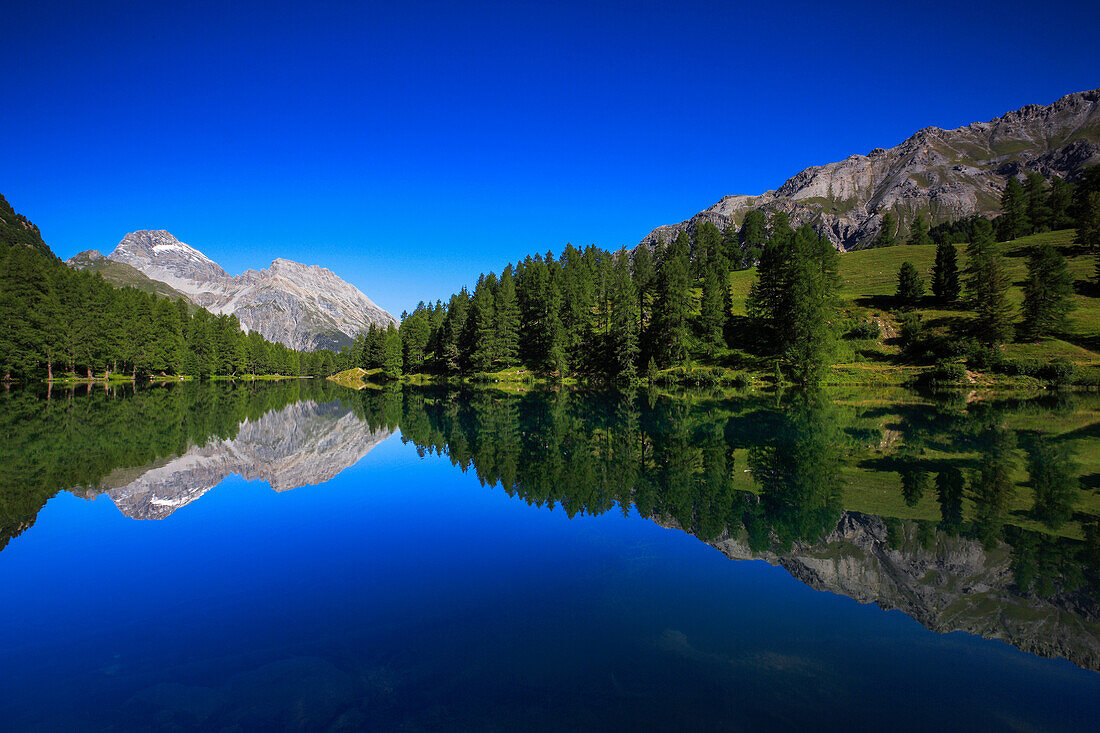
(300, 556)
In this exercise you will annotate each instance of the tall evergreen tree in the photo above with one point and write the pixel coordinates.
(1061, 204)
(481, 329)
(508, 319)
(888, 231)
(712, 316)
(987, 285)
(623, 334)
(392, 356)
(810, 311)
(753, 236)
(910, 284)
(1013, 221)
(945, 273)
(1048, 292)
(918, 233)
(644, 276)
(673, 302)
(771, 287)
(1036, 194)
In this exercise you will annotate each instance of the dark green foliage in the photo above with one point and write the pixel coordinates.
(918, 233)
(712, 307)
(945, 273)
(1048, 293)
(1039, 210)
(392, 356)
(864, 331)
(987, 285)
(910, 284)
(671, 325)
(15, 230)
(956, 232)
(1052, 475)
(1013, 221)
(624, 327)
(888, 231)
(56, 319)
(753, 236)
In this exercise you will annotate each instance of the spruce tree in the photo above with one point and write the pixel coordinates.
(707, 251)
(809, 313)
(910, 284)
(887, 233)
(918, 234)
(712, 316)
(673, 302)
(1048, 293)
(771, 286)
(1038, 203)
(623, 334)
(644, 276)
(1060, 202)
(1013, 221)
(753, 236)
(481, 333)
(392, 357)
(508, 319)
(987, 284)
(945, 273)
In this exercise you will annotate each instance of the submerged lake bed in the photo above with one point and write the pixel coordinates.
(302, 556)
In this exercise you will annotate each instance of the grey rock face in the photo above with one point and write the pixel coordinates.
(303, 306)
(955, 586)
(945, 174)
(303, 444)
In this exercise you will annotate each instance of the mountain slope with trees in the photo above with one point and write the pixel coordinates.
(939, 175)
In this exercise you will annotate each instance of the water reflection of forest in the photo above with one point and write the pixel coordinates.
(980, 516)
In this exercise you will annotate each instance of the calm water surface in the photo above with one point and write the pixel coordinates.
(299, 556)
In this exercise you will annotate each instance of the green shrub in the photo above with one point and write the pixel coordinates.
(864, 331)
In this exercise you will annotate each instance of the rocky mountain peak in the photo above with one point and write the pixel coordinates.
(943, 174)
(303, 306)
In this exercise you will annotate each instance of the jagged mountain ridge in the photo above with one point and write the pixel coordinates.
(305, 307)
(303, 444)
(946, 174)
(952, 587)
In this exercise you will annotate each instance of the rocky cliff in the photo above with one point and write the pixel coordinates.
(955, 586)
(945, 174)
(303, 444)
(303, 306)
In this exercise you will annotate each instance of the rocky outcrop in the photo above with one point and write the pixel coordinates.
(945, 174)
(305, 307)
(954, 586)
(303, 444)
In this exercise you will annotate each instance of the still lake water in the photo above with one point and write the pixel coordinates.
(300, 556)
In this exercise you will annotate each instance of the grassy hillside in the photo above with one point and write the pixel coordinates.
(867, 294)
(122, 275)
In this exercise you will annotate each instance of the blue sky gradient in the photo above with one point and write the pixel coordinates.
(409, 147)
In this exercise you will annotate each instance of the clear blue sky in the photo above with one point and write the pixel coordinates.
(410, 146)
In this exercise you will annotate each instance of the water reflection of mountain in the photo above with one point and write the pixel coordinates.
(992, 526)
(155, 450)
(302, 444)
(953, 585)
(981, 516)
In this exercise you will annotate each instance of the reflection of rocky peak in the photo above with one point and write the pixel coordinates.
(956, 586)
(303, 444)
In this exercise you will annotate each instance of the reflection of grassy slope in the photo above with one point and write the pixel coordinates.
(870, 280)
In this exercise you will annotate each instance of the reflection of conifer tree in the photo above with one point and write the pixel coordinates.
(950, 485)
(991, 487)
(1052, 476)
